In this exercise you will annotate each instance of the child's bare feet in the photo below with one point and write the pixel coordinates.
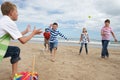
(53, 60)
(11, 77)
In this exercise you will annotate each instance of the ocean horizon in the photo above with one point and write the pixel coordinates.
(76, 42)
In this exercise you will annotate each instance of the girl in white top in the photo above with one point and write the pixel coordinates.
(84, 39)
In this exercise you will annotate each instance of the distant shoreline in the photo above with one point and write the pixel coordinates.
(93, 44)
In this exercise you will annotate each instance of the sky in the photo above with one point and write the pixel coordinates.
(71, 15)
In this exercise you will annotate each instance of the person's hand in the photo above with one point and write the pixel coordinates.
(28, 29)
(103, 34)
(88, 40)
(116, 40)
(51, 25)
(37, 31)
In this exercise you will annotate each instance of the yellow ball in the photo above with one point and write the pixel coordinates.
(89, 16)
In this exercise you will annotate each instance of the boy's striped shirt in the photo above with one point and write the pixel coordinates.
(54, 34)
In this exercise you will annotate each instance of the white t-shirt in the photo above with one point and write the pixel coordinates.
(9, 26)
(84, 38)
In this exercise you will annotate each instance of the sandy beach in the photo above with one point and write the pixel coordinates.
(68, 66)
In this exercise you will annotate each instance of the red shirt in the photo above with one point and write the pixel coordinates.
(46, 35)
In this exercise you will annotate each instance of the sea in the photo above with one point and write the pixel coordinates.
(75, 42)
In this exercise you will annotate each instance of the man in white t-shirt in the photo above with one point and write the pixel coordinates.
(8, 26)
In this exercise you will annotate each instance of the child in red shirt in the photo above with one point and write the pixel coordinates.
(46, 38)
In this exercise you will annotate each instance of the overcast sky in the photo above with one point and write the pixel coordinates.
(72, 15)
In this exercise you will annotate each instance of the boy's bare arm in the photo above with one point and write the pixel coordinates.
(28, 29)
(23, 40)
(114, 36)
(50, 25)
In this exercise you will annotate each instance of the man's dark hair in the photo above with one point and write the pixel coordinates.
(55, 24)
(107, 21)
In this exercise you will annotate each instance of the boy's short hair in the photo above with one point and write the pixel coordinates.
(55, 24)
(107, 21)
(6, 7)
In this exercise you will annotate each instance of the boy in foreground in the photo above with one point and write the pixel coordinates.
(9, 27)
